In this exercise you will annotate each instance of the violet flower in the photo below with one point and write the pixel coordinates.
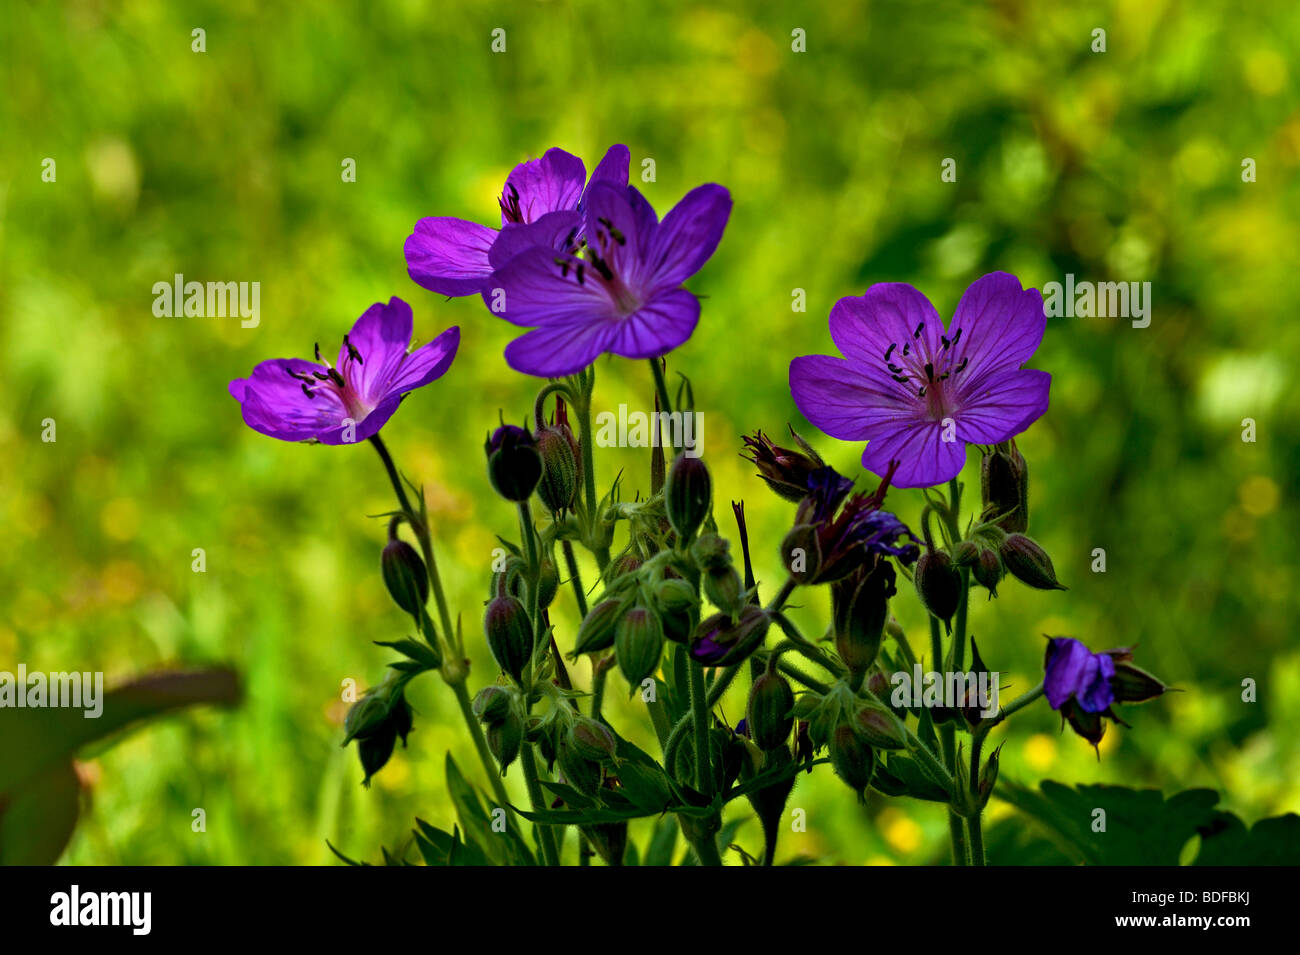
(836, 532)
(623, 295)
(296, 400)
(1084, 686)
(919, 393)
(541, 200)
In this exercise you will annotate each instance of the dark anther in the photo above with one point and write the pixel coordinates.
(946, 343)
(336, 377)
(581, 273)
(906, 348)
(320, 376)
(962, 365)
(318, 357)
(917, 333)
(308, 392)
(956, 336)
(921, 393)
(352, 352)
(901, 379)
(929, 372)
(892, 367)
(599, 265)
(890, 350)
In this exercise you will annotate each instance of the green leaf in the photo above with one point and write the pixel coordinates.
(663, 842)
(33, 740)
(1227, 841)
(351, 862)
(1141, 826)
(419, 652)
(503, 848)
(37, 818)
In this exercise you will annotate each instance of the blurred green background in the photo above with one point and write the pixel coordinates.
(225, 165)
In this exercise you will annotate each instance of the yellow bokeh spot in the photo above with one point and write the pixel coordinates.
(1266, 72)
(1040, 752)
(1259, 495)
(120, 518)
(900, 831)
(880, 860)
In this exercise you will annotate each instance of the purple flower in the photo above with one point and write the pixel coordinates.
(917, 393)
(540, 201)
(1072, 671)
(296, 400)
(836, 533)
(623, 295)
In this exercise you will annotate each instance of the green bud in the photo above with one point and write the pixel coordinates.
(405, 576)
(723, 587)
(638, 644)
(878, 727)
(1131, 684)
(688, 490)
(679, 608)
(860, 605)
(592, 740)
(801, 552)
(710, 550)
(1004, 486)
(769, 712)
(505, 738)
(366, 716)
(852, 758)
(965, 553)
(583, 774)
(1029, 563)
(987, 570)
(548, 584)
(989, 776)
(596, 632)
(938, 584)
(559, 480)
(491, 704)
(375, 750)
(509, 634)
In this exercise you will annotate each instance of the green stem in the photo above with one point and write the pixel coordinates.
(546, 834)
(661, 386)
(974, 825)
(700, 715)
(571, 561)
(582, 409)
(480, 744)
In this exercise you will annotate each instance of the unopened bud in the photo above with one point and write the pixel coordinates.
(597, 630)
(514, 466)
(559, 480)
(1029, 563)
(592, 740)
(687, 493)
(878, 727)
(769, 713)
(852, 758)
(720, 642)
(509, 634)
(938, 584)
(405, 576)
(987, 570)
(638, 644)
(1004, 485)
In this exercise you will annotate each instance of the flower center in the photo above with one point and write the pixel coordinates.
(336, 383)
(926, 376)
(623, 296)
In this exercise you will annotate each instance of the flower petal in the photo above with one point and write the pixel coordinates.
(449, 256)
(612, 168)
(657, 327)
(688, 235)
(1001, 324)
(534, 288)
(1002, 405)
(924, 458)
(273, 402)
(845, 402)
(349, 432)
(559, 349)
(550, 184)
(1064, 670)
(549, 232)
(427, 363)
(615, 229)
(890, 313)
(381, 336)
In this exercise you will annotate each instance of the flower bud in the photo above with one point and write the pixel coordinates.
(1029, 563)
(1004, 486)
(878, 727)
(687, 492)
(514, 466)
(405, 576)
(723, 587)
(965, 553)
(621, 566)
(860, 605)
(592, 740)
(491, 704)
(375, 751)
(583, 774)
(505, 738)
(366, 716)
(989, 776)
(679, 608)
(786, 471)
(1131, 684)
(559, 480)
(938, 584)
(720, 642)
(597, 630)
(509, 634)
(801, 551)
(768, 714)
(609, 839)
(852, 758)
(710, 550)
(987, 570)
(548, 583)
(638, 644)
